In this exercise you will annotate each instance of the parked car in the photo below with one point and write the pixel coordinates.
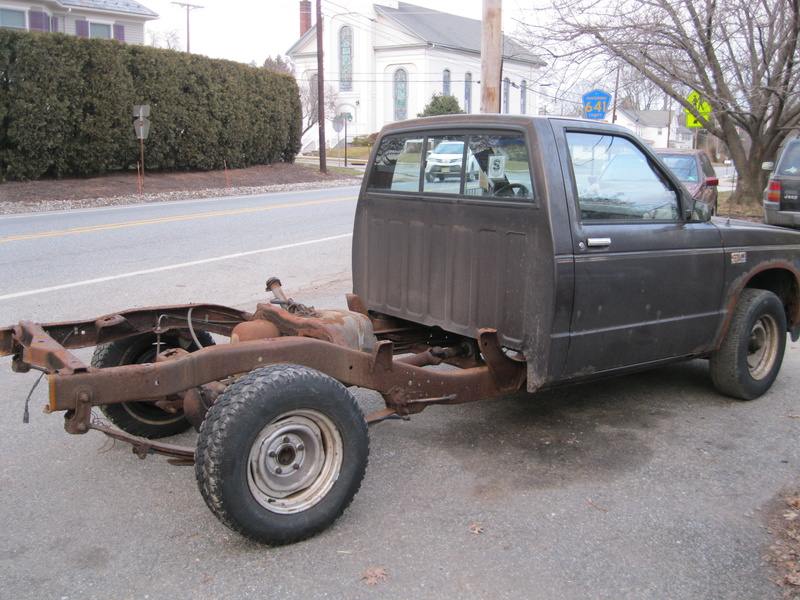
(782, 194)
(445, 161)
(695, 171)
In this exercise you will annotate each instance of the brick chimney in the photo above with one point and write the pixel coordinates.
(305, 16)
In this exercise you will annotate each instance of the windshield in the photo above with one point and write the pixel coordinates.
(449, 148)
(685, 167)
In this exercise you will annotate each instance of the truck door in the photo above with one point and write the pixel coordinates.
(648, 283)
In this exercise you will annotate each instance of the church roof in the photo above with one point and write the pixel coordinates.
(450, 31)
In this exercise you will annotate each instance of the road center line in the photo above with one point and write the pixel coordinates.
(33, 236)
(172, 267)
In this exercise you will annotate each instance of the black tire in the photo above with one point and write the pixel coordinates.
(748, 361)
(282, 417)
(144, 418)
(429, 177)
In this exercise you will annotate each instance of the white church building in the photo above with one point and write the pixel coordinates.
(386, 60)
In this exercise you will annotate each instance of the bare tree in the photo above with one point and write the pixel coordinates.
(279, 64)
(165, 39)
(738, 55)
(309, 101)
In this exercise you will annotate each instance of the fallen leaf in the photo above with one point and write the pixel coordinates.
(475, 528)
(793, 578)
(790, 515)
(375, 575)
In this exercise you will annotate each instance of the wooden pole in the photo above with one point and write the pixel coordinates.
(323, 167)
(491, 55)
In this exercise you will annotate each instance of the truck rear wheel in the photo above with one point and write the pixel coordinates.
(281, 454)
(143, 418)
(748, 361)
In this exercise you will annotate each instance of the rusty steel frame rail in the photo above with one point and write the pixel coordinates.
(160, 319)
(406, 388)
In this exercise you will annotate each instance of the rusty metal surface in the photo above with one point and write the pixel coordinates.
(142, 447)
(340, 327)
(401, 384)
(81, 334)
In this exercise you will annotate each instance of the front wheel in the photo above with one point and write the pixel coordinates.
(748, 361)
(281, 454)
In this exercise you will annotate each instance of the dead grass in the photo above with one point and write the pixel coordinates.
(750, 210)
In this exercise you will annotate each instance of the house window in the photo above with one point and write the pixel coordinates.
(346, 59)
(313, 93)
(100, 30)
(400, 94)
(468, 93)
(506, 94)
(523, 100)
(446, 82)
(13, 19)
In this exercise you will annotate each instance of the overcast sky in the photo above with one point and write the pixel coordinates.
(251, 30)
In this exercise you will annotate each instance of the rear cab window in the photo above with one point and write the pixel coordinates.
(480, 165)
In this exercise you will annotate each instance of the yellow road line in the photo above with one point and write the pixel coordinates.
(219, 213)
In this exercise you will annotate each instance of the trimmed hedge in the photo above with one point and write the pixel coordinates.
(66, 108)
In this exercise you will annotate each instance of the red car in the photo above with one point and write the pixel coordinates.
(695, 172)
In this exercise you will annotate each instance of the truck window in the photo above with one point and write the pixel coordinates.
(443, 161)
(616, 181)
(487, 165)
(499, 166)
(397, 164)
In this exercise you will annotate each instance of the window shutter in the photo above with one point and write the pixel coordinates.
(119, 32)
(37, 21)
(82, 28)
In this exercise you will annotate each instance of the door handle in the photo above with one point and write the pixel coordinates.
(598, 242)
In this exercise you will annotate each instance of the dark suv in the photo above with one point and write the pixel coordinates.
(782, 195)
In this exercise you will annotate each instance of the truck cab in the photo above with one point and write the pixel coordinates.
(575, 242)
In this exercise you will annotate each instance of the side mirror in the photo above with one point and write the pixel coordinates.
(701, 211)
(712, 181)
(767, 166)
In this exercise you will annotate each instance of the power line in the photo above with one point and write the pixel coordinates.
(189, 8)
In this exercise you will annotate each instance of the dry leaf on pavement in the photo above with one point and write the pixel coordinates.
(375, 575)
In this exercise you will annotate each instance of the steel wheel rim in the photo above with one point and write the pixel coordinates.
(762, 347)
(294, 461)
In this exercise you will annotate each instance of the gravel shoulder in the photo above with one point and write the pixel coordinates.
(123, 188)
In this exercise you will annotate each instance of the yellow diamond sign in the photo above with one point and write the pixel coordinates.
(704, 108)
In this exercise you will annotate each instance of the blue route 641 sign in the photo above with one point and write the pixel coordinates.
(595, 104)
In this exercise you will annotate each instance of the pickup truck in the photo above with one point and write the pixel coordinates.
(573, 253)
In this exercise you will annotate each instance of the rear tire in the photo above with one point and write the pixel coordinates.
(281, 454)
(748, 361)
(143, 418)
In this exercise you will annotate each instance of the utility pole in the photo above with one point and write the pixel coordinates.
(491, 55)
(189, 8)
(323, 167)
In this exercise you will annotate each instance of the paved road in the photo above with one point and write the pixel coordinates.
(646, 486)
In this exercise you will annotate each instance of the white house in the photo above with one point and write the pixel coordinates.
(386, 60)
(121, 20)
(659, 128)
